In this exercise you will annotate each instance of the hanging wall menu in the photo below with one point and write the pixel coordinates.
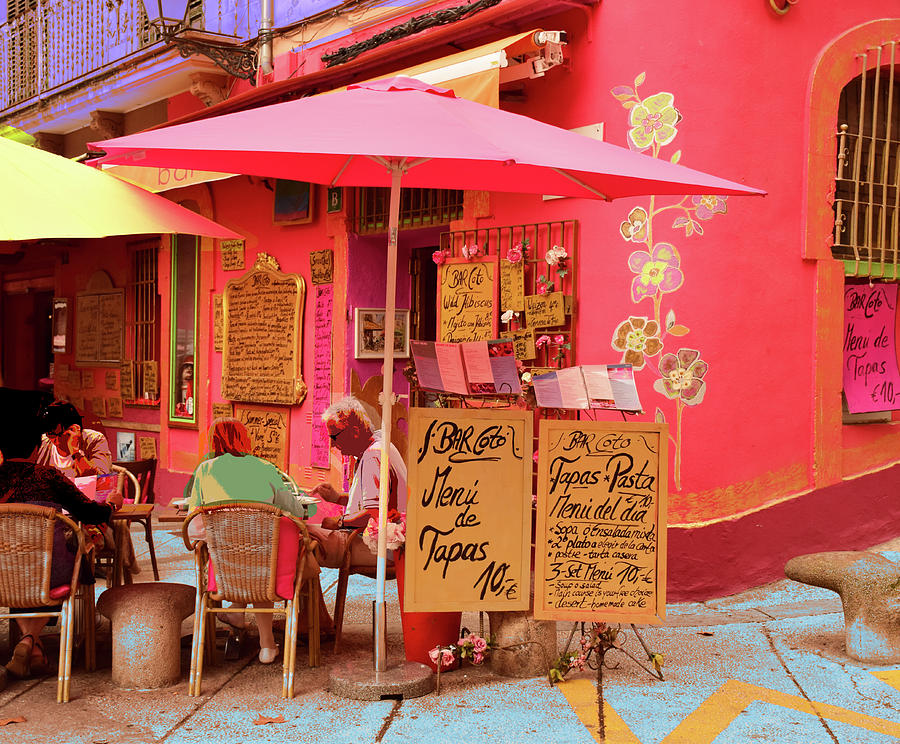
(871, 377)
(268, 429)
(99, 327)
(320, 444)
(467, 305)
(469, 511)
(264, 337)
(601, 522)
(512, 285)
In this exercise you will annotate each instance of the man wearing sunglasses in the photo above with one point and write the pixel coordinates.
(352, 434)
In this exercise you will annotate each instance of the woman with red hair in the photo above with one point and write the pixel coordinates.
(232, 474)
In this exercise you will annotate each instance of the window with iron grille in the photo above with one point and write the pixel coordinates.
(418, 208)
(143, 300)
(867, 197)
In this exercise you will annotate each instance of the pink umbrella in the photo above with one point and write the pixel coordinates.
(377, 134)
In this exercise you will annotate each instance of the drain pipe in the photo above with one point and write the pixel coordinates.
(265, 38)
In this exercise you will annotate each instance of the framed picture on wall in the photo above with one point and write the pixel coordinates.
(369, 333)
(60, 325)
(125, 446)
(293, 202)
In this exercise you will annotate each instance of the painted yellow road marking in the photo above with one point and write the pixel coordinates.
(889, 677)
(717, 712)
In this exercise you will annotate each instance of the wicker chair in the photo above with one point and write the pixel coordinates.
(139, 477)
(26, 550)
(344, 573)
(242, 541)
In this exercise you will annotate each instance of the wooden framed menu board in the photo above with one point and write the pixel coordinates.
(263, 337)
(600, 546)
(467, 301)
(468, 520)
(99, 327)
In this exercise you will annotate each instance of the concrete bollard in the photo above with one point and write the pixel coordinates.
(864, 581)
(146, 632)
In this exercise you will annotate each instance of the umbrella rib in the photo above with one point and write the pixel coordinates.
(341, 171)
(578, 182)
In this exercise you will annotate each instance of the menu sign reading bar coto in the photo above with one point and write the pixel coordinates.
(601, 522)
(468, 523)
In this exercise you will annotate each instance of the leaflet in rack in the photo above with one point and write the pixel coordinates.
(469, 368)
(605, 386)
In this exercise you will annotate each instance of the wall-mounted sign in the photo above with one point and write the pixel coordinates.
(264, 337)
(469, 511)
(218, 322)
(600, 545)
(871, 377)
(321, 267)
(232, 253)
(268, 428)
(99, 327)
(335, 199)
(467, 304)
(126, 380)
(512, 285)
(60, 341)
(543, 311)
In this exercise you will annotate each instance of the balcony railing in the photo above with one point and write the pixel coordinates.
(60, 41)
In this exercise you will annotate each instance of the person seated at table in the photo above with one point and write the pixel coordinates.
(76, 452)
(234, 475)
(24, 482)
(70, 448)
(351, 432)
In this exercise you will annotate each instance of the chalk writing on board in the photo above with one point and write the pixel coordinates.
(126, 380)
(320, 443)
(871, 377)
(263, 337)
(268, 433)
(232, 252)
(542, 311)
(469, 512)
(87, 329)
(601, 521)
(468, 300)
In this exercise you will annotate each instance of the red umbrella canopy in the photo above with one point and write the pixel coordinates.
(348, 137)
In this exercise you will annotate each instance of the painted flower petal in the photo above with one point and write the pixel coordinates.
(664, 387)
(641, 290)
(657, 103)
(668, 364)
(694, 393)
(637, 260)
(637, 115)
(699, 369)
(665, 134)
(653, 346)
(666, 252)
(640, 137)
(625, 230)
(686, 357)
(634, 358)
(652, 328)
(672, 279)
(637, 322)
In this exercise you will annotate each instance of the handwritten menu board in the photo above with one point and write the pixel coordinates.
(222, 410)
(871, 377)
(468, 300)
(523, 343)
(112, 381)
(218, 322)
(542, 311)
(147, 448)
(232, 252)
(151, 378)
(263, 337)
(126, 380)
(99, 406)
(601, 522)
(321, 266)
(268, 428)
(468, 530)
(512, 285)
(99, 327)
(321, 396)
(114, 407)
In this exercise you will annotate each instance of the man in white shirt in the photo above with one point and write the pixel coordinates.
(352, 433)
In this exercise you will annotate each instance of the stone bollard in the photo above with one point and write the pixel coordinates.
(863, 580)
(538, 644)
(146, 632)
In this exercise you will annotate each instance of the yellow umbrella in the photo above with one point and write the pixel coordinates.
(47, 196)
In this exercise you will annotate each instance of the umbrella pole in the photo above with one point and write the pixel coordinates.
(390, 299)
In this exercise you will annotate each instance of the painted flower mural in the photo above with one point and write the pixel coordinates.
(653, 120)
(681, 377)
(637, 338)
(658, 269)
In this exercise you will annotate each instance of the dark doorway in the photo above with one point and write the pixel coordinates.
(423, 294)
(27, 330)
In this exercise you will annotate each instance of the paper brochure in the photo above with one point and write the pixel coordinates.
(604, 386)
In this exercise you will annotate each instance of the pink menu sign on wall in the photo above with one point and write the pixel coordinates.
(871, 377)
(321, 392)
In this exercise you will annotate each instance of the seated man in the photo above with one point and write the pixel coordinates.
(351, 432)
(68, 447)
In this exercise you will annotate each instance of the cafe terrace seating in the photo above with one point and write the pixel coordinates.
(255, 558)
(26, 550)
